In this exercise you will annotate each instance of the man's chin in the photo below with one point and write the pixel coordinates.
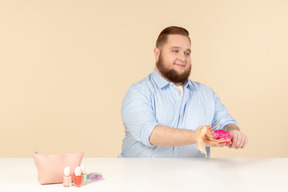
(175, 75)
(180, 73)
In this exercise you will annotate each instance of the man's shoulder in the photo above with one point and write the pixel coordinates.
(145, 85)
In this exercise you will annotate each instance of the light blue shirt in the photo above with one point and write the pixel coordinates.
(154, 101)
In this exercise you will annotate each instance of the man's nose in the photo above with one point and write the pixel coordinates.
(182, 57)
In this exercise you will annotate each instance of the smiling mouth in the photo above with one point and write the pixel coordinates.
(179, 65)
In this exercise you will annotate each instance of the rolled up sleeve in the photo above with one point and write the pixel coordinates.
(138, 116)
(221, 115)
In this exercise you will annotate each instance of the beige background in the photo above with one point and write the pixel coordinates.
(65, 67)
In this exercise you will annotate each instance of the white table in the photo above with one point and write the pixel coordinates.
(20, 174)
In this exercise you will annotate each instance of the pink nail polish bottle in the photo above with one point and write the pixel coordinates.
(67, 180)
(77, 177)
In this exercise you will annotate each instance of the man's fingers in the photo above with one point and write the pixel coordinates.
(222, 144)
(245, 142)
(238, 141)
(235, 141)
(214, 144)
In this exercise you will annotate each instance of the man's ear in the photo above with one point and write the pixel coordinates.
(156, 53)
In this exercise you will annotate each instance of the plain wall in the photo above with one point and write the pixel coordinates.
(65, 67)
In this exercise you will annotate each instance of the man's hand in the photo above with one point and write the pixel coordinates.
(239, 140)
(208, 143)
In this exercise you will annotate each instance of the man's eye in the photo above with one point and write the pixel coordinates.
(175, 51)
(187, 54)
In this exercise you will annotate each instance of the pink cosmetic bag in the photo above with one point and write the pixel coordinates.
(51, 167)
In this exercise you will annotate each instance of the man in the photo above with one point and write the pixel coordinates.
(163, 113)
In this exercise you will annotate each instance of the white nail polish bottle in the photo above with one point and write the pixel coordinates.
(67, 180)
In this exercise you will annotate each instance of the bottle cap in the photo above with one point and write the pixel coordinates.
(67, 171)
(77, 171)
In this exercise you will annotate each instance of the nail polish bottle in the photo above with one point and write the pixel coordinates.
(77, 177)
(67, 180)
(83, 174)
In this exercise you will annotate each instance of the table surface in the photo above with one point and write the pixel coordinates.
(263, 174)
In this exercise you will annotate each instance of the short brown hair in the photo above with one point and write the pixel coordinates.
(172, 30)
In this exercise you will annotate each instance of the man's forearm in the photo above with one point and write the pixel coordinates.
(231, 127)
(167, 136)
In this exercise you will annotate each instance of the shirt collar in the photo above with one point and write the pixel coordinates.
(190, 84)
(161, 82)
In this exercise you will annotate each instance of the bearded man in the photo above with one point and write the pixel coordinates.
(163, 113)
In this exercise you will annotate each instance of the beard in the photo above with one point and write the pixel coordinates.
(171, 74)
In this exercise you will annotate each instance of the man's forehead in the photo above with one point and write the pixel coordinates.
(179, 41)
